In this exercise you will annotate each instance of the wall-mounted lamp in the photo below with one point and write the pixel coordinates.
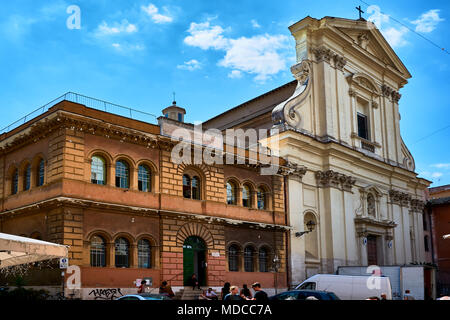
(310, 225)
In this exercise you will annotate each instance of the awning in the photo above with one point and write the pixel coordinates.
(15, 250)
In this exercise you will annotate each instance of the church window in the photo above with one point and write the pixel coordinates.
(363, 128)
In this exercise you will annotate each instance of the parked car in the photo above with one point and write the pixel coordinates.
(305, 295)
(349, 287)
(144, 296)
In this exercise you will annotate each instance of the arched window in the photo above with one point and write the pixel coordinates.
(233, 258)
(122, 174)
(371, 209)
(186, 186)
(246, 196)
(98, 252)
(144, 254)
(191, 187)
(27, 178)
(15, 181)
(248, 259)
(195, 188)
(263, 260)
(122, 253)
(144, 178)
(40, 173)
(262, 202)
(426, 242)
(231, 193)
(98, 170)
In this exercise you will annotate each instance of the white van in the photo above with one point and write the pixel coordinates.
(349, 287)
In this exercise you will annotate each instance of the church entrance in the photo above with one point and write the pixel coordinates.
(372, 254)
(194, 260)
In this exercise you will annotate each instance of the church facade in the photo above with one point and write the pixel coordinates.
(354, 198)
(345, 193)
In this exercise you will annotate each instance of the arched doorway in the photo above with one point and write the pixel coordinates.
(194, 260)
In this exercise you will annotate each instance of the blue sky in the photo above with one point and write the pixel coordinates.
(214, 55)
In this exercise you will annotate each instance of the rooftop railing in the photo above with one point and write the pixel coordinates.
(88, 102)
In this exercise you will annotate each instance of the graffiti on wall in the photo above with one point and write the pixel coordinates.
(105, 294)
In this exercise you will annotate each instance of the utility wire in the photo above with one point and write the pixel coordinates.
(412, 30)
(431, 134)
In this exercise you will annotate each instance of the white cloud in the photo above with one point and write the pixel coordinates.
(255, 24)
(394, 35)
(190, 65)
(441, 165)
(235, 74)
(428, 21)
(261, 55)
(205, 36)
(256, 55)
(116, 28)
(152, 12)
(126, 48)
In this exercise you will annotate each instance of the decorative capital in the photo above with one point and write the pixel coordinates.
(399, 198)
(334, 179)
(322, 54)
(417, 205)
(390, 93)
(292, 169)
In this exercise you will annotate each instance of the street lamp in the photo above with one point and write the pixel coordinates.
(310, 225)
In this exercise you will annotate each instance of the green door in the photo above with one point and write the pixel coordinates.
(194, 260)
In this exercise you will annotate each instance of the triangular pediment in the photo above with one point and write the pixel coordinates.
(364, 35)
(370, 40)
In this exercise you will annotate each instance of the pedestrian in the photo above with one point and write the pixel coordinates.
(142, 286)
(233, 295)
(246, 293)
(166, 289)
(260, 295)
(225, 290)
(383, 296)
(210, 295)
(408, 295)
(195, 282)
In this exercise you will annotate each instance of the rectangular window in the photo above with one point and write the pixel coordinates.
(363, 127)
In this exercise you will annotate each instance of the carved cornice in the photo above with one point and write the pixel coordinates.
(334, 179)
(62, 120)
(324, 54)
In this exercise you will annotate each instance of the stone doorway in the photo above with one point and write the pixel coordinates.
(194, 260)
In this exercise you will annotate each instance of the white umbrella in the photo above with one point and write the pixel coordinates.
(15, 250)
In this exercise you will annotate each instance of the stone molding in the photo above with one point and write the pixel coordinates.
(417, 205)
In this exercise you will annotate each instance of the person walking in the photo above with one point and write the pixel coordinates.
(260, 295)
(225, 290)
(246, 293)
(233, 295)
